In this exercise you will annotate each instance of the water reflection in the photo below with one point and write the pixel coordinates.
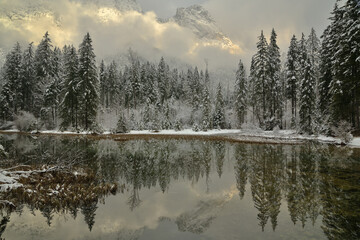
(312, 183)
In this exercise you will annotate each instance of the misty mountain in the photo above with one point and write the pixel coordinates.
(195, 18)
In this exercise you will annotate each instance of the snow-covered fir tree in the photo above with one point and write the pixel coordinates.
(307, 98)
(206, 110)
(53, 89)
(275, 91)
(27, 77)
(88, 84)
(11, 94)
(219, 115)
(103, 83)
(112, 83)
(44, 72)
(260, 78)
(162, 77)
(292, 78)
(69, 107)
(240, 94)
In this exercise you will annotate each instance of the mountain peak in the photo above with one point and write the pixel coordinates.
(198, 19)
(194, 12)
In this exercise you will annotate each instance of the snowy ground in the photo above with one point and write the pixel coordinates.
(259, 136)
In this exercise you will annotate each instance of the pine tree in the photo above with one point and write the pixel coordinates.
(102, 82)
(313, 52)
(219, 117)
(52, 92)
(166, 121)
(162, 78)
(206, 110)
(112, 80)
(11, 95)
(27, 78)
(307, 99)
(240, 94)
(44, 72)
(69, 107)
(135, 82)
(325, 72)
(345, 86)
(88, 84)
(260, 79)
(292, 78)
(196, 89)
(121, 126)
(275, 86)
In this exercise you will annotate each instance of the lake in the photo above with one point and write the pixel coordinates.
(188, 189)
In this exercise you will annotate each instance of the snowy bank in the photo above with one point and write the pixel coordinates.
(251, 136)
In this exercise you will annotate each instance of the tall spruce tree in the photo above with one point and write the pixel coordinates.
(240, 94)
(345, 86)
(69, 107)
(292, 78)
(206, 110)
(44, 72)
(88, 84)
(260, 79)
(112, 79)
(11, 94)
(219, 115)
(27, 76)
(307, 98)
(275, 87)
(162, 77)
(52, 92)
(103, 83)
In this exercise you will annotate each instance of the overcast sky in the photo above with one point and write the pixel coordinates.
(240, 20)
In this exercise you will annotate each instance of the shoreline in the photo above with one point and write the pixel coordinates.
(230, 135)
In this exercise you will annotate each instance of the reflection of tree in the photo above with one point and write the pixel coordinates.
(206, 158)
(134, 199)
(303, 185)
(266, 179)
(241, 168)
(48, 213)
(340, 197)
(88, 211)
(315, 180)
(219, 156)
(164, 170)
(292, 175)
(259, 182)
(3, 223)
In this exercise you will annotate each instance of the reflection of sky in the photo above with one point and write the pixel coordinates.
(115, 220)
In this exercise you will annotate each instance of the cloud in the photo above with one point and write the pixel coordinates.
(243, 20)
(113, 31)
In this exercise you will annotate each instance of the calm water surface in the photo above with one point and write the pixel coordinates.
(179, 189)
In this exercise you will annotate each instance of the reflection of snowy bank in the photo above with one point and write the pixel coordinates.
(249, 136)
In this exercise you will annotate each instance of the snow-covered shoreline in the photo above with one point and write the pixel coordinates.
(251, 136)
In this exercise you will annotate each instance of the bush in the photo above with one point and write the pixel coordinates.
(196, 127)
(343, 131)
(178, 126)
(95, 128)
(121, 126)
(26, 122)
